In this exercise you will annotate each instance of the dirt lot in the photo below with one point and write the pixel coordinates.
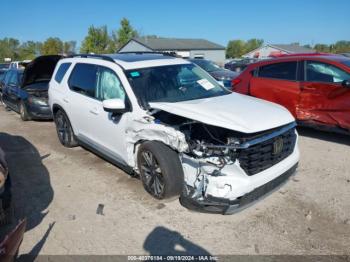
(59, 190)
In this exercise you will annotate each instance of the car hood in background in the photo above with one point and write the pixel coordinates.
(223, 74)
(234, 111)
(40, 68)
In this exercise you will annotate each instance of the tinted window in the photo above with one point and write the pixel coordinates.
(13, 78)
(286, 71)
(83, 79)
(108, 85)
(2, 75)
(322, 72)
(61, 72)
(7, 77)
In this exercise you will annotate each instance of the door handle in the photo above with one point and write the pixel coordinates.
(94, 111)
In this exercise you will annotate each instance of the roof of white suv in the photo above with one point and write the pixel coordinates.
(139, 60)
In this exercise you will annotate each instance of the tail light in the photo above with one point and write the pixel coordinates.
(235, 82)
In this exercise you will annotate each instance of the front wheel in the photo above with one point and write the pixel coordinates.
(64, 129)
(160, 170)
(23, 111)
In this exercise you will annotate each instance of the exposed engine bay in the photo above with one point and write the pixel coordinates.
(218, 160)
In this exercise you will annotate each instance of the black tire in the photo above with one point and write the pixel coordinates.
(23, 111)
(64, 129)
(160, 169)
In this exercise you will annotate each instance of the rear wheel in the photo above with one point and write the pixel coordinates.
(23, 111)
(64, 130)
(160, 170)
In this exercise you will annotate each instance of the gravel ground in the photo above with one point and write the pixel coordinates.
(59, 190)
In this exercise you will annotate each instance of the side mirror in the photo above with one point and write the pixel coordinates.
(115, 105)
(346, 83)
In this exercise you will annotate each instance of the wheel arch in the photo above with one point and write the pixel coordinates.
(56, 108)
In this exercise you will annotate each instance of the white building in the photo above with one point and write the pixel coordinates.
(271, 50)
(186, 48)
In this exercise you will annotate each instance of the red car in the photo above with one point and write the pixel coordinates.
(315, 88)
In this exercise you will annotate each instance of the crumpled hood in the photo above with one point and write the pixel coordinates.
(234, 111)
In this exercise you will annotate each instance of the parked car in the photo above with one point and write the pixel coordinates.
(314, 88)
(239, 65)
(171, 123)
(26, 92)
(2, 78)
(223, 76)
(19, 64)
(4, 66)
(5, 191)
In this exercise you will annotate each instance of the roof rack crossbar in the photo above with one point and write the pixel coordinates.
(172, 54)
(103, 57)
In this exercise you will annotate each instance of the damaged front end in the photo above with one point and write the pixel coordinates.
(225, 170)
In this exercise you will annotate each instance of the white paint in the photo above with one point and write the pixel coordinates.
(234, 111)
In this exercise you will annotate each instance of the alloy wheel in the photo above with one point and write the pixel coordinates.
(152, 174)
(62, 128)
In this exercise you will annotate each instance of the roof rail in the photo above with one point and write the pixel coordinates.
(173, 54)
(103, 57)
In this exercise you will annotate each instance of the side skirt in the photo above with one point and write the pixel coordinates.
(127, 169)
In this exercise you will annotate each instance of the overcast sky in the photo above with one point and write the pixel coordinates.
(307, 22)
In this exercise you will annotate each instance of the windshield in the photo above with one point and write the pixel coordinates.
(173, 83)
(208, 66)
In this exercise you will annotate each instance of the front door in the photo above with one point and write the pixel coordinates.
(90, 85)
(278, 83)
(323, 97)
(108, 130)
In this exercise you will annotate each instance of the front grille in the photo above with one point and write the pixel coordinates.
(261, 156)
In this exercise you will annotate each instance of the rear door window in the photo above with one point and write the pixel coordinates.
(61, 72)
(323, 72)
(284, 71)
(83, 79)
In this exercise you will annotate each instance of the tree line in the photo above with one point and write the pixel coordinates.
(237, 48)
(98, 41)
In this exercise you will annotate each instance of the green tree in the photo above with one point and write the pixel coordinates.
(124, 33)
(29, 50)
(341, 47)
(322, 48)
(97, 41)
(69, 47)
(9, 48)
(52, 46)
(235, 48)
(252, 44)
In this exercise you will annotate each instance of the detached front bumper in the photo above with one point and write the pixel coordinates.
(39, 111)
(225, 206)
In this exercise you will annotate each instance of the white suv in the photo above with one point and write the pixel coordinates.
(168, 121)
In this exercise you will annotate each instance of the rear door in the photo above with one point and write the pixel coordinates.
(278, 83)
(12, 90)
(323, 97)
(82, 83)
